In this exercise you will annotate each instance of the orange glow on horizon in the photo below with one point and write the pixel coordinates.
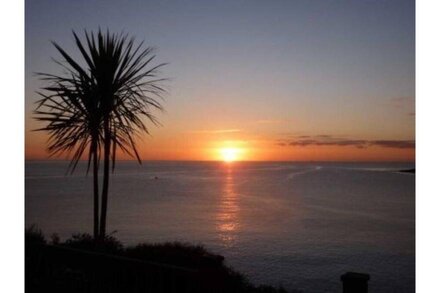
(229, 148)
(229, 151)
(230, 154)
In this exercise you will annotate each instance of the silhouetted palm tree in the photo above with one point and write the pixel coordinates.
(98, 105)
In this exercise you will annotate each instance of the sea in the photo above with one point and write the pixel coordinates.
(291, 224)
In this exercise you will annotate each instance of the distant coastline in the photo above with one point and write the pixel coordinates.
(408, 171)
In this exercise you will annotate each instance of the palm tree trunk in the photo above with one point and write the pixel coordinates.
(105, 181)
(95, 192)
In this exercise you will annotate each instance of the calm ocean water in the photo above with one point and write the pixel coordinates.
(300, 225)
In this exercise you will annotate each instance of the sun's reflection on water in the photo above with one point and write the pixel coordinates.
(228, 214)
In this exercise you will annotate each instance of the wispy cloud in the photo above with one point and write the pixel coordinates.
(270, 121)
(329, 140)
(399, 144)
(402, 103)
(215, 131)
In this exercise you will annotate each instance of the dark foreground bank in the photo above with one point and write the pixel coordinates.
(80, 264)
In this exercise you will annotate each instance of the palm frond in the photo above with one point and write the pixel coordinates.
(118, 85)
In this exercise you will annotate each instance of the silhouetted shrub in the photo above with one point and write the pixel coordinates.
(176, 253)
(270, 289)
(214, 273)
(55, 239)
(86, 241)
(34, 235)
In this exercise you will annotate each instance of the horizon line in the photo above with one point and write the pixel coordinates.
(238, 161)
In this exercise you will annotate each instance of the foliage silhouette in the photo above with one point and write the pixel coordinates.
(108, 244)
(98, 104)
(69, 266)
(34, 235)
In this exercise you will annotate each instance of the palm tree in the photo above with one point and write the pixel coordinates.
(71, 112)
(98, 106)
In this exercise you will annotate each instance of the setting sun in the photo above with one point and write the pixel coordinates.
(230, 154)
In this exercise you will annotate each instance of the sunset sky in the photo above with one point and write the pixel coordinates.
(255, 80)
